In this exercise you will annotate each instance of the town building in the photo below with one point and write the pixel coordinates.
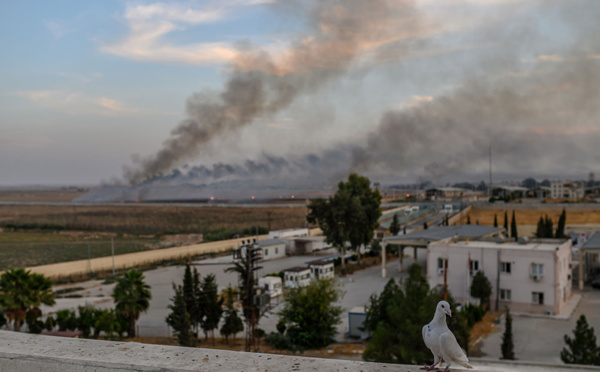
(446, 193)
(571, 190)
(509, 191)
(296, 277)
(321, 269)
(306, 245)
(272, 248)
(273, 285)
(526, 276)
(288, 233)
(356, 321)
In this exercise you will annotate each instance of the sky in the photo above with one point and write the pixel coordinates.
(202, 91)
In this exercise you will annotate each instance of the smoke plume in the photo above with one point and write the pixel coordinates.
(533, 109)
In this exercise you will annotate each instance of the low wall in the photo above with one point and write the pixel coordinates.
(455, 219)
(125, 261)
(22, 352)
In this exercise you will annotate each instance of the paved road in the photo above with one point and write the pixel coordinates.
(358, 288)
(541, 339)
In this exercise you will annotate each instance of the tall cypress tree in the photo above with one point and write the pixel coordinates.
(179, 319)
(507, 346)
(560, 229)
(506, 222)
(513, 227)
(495, 220)
(541, 228)
(549, 227)
(468, 219)
(395, 226)
(425, 225)
(582, 348)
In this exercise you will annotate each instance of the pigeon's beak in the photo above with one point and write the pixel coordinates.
(449, 312)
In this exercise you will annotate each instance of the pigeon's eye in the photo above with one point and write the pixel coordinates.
(442, 306)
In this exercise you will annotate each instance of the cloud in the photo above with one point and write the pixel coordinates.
(149, 26)
(78, 103)
(57, 29)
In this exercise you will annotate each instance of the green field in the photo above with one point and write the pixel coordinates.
(24, 249)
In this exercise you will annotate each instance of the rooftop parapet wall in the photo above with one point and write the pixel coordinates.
(22, 352)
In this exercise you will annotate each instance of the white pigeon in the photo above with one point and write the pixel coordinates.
(441, 341)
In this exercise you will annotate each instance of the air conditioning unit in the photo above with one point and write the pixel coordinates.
(440, 271)
(536, 277)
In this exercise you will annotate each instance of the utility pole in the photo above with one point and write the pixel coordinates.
(112, 244)
(445, 279)
(490, 184)
(89, 259)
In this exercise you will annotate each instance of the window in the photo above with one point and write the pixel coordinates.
(266, 252)
(537, 298)
(506, 267)
(537, 269)
(505, 294)
(441, 262)
(276, 250)
(473, 267)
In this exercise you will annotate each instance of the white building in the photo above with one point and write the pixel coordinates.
(306, 245)
(288, 233)
(321, 270)
(272, 248)
(296, 277)
(572, 190)
(273, 285)
(532, 277)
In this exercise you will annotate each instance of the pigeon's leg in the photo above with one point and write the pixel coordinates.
(436, 360)
(447, 367)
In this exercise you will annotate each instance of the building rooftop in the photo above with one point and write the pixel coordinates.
(297, 269)
(593, 243)
(269, 242)
(444, 232)
(321, 263)
(530, 246)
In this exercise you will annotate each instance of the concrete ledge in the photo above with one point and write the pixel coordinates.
(23, 352)
(26, 352)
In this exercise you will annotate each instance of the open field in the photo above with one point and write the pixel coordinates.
(528, 216)
(40, 196)
(149, 219)
(23, 249)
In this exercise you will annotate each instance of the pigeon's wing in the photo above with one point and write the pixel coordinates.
(452, 350)
(426, 338)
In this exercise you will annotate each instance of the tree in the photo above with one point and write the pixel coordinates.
(191, 295)
(468, 219)
(310, 314)
(582, 348)
(545, 183)
(495, 220)
(232, 323)
(529, 183)
(351, 215)
(513, 227)
(395, 226)
(22, 292)
(506, 223)
(179, 319)
(507, 346)
(548, 227)
(404, 230)
(481, 288)
(108, 323)
(132, 297)
(425, 226)
(211, 305)
(560, 229)
(541, 228)
(397, 315)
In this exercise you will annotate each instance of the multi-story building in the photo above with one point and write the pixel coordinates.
(532, 276)
(572, 190)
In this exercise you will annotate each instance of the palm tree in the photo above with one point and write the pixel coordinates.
(22, 292)
(132, 297)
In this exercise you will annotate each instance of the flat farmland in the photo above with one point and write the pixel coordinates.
(24, 249)
(40, 196)
(527, 216)
(148, 219)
